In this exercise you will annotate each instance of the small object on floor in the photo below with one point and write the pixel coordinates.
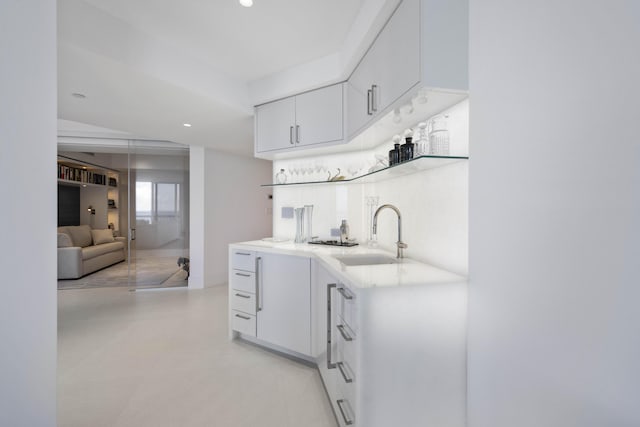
(184, 262)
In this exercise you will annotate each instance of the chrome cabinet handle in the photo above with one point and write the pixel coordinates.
(258, 306)
(347, 379)
(291, 135)
(242, 253)
(329, 364)
(243, 296)
(243, 274)
(133, 234)
(347, 421)
(344, 333)
(344, 293)
(374, 98)
(243, 317)
(297, 134)
(369, 96)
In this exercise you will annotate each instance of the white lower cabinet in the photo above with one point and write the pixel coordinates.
(392, 356)
(387, 356)
(271, 301)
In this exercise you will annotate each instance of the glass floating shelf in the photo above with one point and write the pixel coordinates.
(414, 165)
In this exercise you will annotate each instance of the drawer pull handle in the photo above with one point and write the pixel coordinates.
(344, 294)
(347, 421)
(243, 317)
(347, 379)
(243, 274)
(243, 296)
(330, 365)
(344, 333)
(243, 253)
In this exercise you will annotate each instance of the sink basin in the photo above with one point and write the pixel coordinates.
(366, 259)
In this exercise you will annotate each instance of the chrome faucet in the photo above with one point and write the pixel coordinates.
(401, 245)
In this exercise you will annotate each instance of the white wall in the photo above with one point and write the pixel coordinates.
(236, 208)
(554, 214)
(28, 261)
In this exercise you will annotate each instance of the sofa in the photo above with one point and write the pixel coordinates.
(82, 250)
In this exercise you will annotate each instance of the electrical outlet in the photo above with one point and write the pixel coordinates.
(335, 232)
(287, 212)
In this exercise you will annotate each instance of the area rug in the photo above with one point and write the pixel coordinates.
(156, 272)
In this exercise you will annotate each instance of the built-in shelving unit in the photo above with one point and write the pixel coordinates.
(414, 165)
(99, 188)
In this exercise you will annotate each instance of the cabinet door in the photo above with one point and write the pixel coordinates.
(395, 55)
(284, 299)
(319, 116)
(359, 113)
(275, 125)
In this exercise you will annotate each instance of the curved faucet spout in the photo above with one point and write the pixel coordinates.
(400, 244)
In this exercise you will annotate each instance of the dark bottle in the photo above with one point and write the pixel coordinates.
(394, 155)
(406, 151)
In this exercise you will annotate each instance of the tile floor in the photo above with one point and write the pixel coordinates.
(162, 358)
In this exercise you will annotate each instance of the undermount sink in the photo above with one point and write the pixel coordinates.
(366, 259)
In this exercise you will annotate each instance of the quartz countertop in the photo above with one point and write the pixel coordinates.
(407, 272)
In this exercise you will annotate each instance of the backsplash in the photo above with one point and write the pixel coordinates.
(433, 203)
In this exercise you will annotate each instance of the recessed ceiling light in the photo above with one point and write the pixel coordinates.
(78, 95)
(187, 125)
(246, 3)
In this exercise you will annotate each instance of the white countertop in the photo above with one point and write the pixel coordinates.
(407, 272)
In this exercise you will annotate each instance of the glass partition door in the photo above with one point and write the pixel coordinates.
(158, 216)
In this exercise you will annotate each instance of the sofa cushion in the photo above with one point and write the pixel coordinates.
(80, 235)
(64, 241)
(94, 251)
(102, 236)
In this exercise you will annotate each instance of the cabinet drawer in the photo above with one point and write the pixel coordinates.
(243, 323)
(243, 260)
(242, 281)
(243, 301)
(346, 349)
(347, 307)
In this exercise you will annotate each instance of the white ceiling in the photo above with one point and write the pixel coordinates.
(148, 66)
(246, 43)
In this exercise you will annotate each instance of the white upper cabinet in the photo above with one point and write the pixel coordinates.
(275, 125)
(423, 45)
(311, 118)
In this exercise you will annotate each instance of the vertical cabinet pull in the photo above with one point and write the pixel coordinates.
(374, 98)
(291, 135)
(329, 364)
(347, 378)
(258, 305)
(369, 96)
(297, 134)
(348, 421)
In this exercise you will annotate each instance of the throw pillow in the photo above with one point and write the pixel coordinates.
(102, 236)
(64, 241)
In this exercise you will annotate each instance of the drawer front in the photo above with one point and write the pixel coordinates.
(242, 281)
(346, 349)
(243, 323)
(243, 260)
(347, 307)
(243, 301)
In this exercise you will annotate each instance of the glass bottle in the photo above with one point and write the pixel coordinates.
(422, 144)
(439, 136)
(281, 177)
(406, 151)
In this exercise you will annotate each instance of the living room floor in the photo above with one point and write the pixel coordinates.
(163, 358)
